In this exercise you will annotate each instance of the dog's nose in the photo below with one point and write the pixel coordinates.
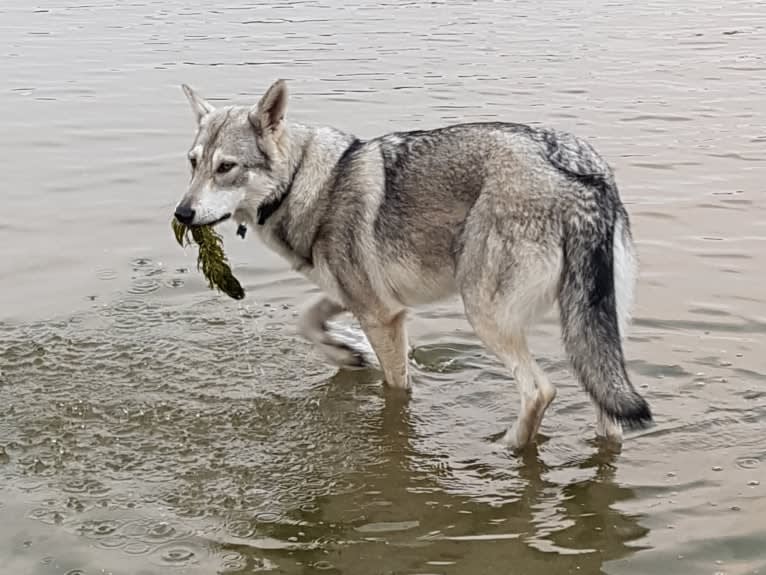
(185, 215)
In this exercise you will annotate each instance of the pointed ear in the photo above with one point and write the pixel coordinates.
(268, 116)
(200, 106)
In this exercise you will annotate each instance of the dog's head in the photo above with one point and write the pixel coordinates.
(238, 154)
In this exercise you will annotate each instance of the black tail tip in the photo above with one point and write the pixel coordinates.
(638, 415)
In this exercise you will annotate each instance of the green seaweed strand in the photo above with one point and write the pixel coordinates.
(210, 257)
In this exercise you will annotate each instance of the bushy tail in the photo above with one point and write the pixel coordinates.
(590, 324)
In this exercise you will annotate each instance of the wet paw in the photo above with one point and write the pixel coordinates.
(518, 437)
(350, 347)
(344, 355)
(356, 358)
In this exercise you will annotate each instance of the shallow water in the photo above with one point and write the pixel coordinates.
(148, 425)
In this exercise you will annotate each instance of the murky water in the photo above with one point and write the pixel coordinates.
(148, 425)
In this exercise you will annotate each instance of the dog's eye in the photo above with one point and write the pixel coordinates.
(225, 167)
(193, 162)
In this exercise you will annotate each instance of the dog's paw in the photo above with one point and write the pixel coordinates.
(353, 346)
(344, 355)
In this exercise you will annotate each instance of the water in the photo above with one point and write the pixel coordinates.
(148, 425)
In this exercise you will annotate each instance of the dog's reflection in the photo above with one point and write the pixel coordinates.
(418, 509)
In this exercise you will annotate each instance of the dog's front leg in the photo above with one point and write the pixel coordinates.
(389, 340)
(313, 326)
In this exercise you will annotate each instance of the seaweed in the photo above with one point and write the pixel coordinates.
(211, 259)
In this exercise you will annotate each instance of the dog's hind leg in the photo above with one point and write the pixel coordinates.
(535, 390)
(547, 391)
(501, 301)
(607, 428)
(313, 326)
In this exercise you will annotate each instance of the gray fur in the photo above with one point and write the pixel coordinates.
(513, 218)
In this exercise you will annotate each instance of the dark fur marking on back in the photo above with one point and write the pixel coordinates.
(340, 171)
(574, 158)
(394, 158)
(343, 182)
(343, 168)
(504, 126)
(346, 157)
(343, 165)
(403, 157)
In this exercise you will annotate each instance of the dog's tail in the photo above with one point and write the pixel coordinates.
(594, 297)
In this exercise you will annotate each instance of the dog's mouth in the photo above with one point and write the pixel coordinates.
(223, 218)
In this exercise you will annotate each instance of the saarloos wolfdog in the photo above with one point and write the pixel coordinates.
(512, 218)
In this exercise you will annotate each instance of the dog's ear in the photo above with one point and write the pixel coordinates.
(200, 106)
(268, 116)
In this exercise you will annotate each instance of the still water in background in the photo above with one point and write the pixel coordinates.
(148, 425)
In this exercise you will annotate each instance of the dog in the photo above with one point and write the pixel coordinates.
(515, 219)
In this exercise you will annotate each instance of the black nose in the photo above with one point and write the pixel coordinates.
(185, 215)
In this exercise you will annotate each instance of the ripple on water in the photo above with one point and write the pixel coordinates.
(267, 517)
(161, 531)
(323, 566)
(137, 548)
(179, 554)
(89, 486)
(114, 541)
(233, 561)
(442, 358)
(106, 274)
(48, 516)
(142, 286)
(98, 528)
(131, 307)
(748, 463)
(241, 528)
(141, 263)
(154, 532)
(135, 315)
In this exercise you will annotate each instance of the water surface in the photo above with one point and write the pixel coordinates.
(149, 425)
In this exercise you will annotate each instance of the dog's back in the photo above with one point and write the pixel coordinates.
(409, 195)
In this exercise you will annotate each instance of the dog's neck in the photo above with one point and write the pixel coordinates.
(270, 205)
(288, 220)
(261, 213)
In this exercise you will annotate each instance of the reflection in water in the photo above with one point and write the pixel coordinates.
(399, 517)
